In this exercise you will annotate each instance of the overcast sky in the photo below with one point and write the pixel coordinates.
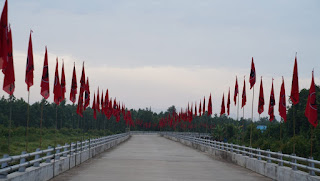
(168, 52)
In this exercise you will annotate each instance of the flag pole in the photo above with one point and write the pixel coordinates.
(10, 117)
(238, 107)
(294, 129)
(252, 116)
(280, 133)
(311, 131)
(42, 104)
(28, 117)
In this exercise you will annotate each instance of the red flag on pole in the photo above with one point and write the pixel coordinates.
(244, 95)
(63, 83)
(82, 81)
(106, 103)
(29, 66)
(57, 87)
(9, 78)
(252, 78)
(98, 101)
(236, 92)
(204, 105)
(94, 106)
(4, 36)
(210, 106)
(272, 103)
(311, 111)
(228, 103)
(45, 92)
(222, 106)
(86, 95)
(199, 109)
(295, 84)
(261, 99)
(73, 90)
(102, 102)
(80, 105)
(282, 102)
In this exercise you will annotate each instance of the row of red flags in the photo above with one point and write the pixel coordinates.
(59, 89)
(108, 108)
(311, 107)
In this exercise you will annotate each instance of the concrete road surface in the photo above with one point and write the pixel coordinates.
(151, 157)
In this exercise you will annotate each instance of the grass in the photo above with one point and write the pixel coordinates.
(50, 137)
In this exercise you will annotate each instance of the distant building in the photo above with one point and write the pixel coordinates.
(262, 128)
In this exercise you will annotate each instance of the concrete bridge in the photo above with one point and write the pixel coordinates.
(145, 156)
(152, 157)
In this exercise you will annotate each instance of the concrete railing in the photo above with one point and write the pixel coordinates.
(46, 164)
(275, 165)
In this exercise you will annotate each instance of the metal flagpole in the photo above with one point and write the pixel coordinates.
(252, 116)
(28, 117)
(42, 104)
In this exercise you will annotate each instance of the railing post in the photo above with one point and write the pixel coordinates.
(294, 167)
(244, 150)
(311, 164)
(250, 151)
(65, 150)
(259, 153)
(48, 160)
(3, 165)
(37, 156)
(22, 160)
(71, 148)
(280, 158)
(268, 156)
(57, 156)
(231, 148)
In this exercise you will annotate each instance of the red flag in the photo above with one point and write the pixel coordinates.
(244, 95)
(102, 103)
(228, 103)
(63, 83)
(272, 103)
(106, 102)
(73, 90)
(252, 78)
(45, 90)
(57, 87)
(4, 36)
(82, 80)
(204, 105)
(282, 102)
(80, 105)
(29, 66)
(9, 78)
(210, 106)
(222, 106)
(98, 101)
(261, 99)
(236, 92)
(94, 106)
(86, 95)
(199, 109)
(311, 107)
(295, 84)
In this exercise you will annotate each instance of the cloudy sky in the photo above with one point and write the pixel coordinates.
(160, 53)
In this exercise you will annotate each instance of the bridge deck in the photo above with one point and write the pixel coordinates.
(151, 157)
